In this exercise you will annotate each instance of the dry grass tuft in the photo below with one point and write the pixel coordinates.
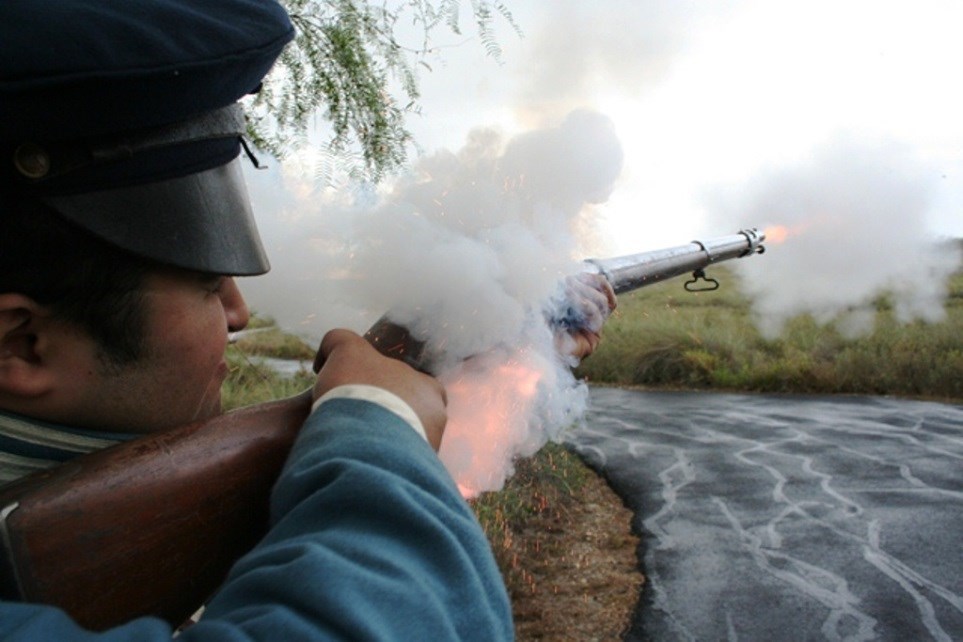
(562, 539)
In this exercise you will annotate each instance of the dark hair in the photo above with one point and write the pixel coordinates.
(84, 280)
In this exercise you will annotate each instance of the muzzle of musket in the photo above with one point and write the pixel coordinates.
(634, 271)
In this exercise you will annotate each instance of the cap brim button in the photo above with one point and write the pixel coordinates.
(31, 160)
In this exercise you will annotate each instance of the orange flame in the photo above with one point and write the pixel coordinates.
(488, 412)
(777, 234)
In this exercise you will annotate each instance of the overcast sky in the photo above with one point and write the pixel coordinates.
(852, 108)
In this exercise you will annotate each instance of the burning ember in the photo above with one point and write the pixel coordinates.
(491, 399)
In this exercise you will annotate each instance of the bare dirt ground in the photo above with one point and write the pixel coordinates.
(571, 566)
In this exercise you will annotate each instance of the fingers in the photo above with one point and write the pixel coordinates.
(346, 358)
(609, 292)
(594, 296)
(601, 286)
(578, 344)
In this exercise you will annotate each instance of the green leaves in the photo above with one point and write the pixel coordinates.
(348, 66)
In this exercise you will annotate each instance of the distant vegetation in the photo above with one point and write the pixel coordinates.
(663, 336)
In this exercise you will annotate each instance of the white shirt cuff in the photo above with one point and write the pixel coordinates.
(387, 400)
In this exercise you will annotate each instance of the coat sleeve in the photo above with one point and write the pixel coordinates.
(370, 540)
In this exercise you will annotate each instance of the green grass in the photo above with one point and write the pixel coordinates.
(250, 380)
(540, 480)
(271, 341)
(662, 336)
(543, 483)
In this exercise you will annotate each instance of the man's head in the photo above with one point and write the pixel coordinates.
(122, 210)
(92, 336)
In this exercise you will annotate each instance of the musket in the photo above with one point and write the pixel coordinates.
(624, 273)
(633, 271)
(152, 526)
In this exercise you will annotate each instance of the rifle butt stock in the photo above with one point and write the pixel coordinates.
(150, 526)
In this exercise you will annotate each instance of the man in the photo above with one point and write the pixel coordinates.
(123, 219)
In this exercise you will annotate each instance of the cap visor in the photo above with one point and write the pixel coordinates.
(199, 222)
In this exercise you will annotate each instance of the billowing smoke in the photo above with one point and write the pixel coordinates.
(628, 46)
(845, 229)
(466, 252)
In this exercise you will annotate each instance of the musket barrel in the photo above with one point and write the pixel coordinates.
(633, 271)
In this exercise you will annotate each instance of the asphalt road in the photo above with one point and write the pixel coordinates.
(788, 517)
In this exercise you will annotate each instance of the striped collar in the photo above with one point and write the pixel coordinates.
(28, 445)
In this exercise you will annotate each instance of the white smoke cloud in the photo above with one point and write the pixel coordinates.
(465, 252)
(855, 223)
(582, 49)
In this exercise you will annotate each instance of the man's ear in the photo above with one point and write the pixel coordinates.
(23, 372)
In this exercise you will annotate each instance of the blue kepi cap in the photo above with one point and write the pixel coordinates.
(123, 117)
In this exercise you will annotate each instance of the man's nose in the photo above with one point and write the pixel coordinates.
(235, 308)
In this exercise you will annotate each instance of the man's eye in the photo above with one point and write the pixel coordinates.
(215, 286)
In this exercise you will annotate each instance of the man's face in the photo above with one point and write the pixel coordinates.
(178, 379)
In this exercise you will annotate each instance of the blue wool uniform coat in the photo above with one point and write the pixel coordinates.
(370, 540)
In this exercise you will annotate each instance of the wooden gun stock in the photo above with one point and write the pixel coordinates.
(147, 527)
